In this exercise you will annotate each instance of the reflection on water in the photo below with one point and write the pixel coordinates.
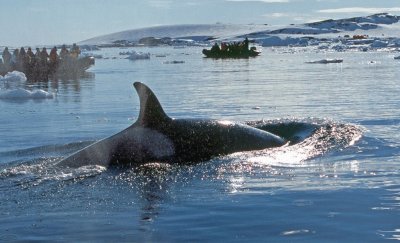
(390, 202)
(151, 181)
(63, 83)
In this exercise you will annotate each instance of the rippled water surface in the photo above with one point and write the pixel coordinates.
(340, 182)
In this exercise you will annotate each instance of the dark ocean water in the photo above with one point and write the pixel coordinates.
(339, 183)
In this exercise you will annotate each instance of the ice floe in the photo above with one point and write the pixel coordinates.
(12, 91)
(20, 93)
(14, 76)
(134, 55)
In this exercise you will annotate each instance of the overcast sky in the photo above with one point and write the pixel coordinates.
(36, 22)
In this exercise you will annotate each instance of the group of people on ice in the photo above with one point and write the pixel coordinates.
(39, 65)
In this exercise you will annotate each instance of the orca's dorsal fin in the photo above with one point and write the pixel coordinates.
(151, 111)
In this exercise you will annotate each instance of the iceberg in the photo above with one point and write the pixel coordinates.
(134, 55)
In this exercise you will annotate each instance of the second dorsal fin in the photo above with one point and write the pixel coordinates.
(151, 111)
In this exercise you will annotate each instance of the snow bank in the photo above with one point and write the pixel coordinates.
(336, 26)
(380, 18)
(19, 93)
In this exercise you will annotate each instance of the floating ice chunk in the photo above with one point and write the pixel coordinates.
(125, 53)
(14, 76)
(339, 47)
(133, 55)
(41, 94)
(17, 94)
(96, 56)
(138, 56)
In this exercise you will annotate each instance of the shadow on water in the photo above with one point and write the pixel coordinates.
(152, 182)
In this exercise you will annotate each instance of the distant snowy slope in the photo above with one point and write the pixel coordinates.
(202, 31)
(383, 29)
(350, 24)
(330, 26)
(378, 30)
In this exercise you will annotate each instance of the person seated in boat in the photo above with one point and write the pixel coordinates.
(30, 64)
(224, 47)
(75, 51)
(23, 60)
(229, 47)
(6, 57)
(30, 53)
(44, 55)
(53, 60)
(64, 53)
(22, 52)
(36, 66)
(234, 48)
(246, 44)
(215, 48)
(53, 55)
(37, 56)
(14, 59)
(43, 65)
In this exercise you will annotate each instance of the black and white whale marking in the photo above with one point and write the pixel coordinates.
(155, 137)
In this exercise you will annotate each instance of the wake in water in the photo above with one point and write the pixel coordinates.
(307, 139)
(43, 170)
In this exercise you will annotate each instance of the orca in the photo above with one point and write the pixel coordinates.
(156, 137)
